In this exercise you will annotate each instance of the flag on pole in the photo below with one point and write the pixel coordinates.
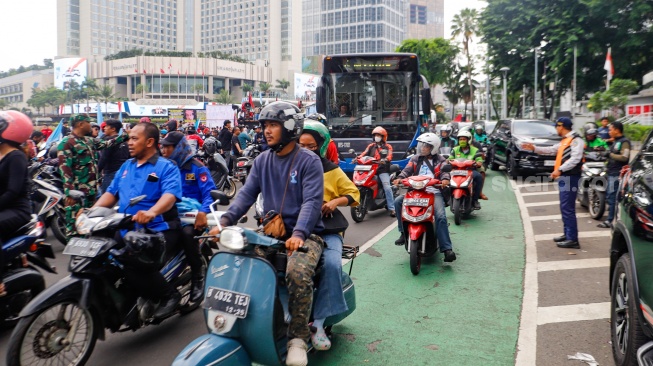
(55, 136)
(100, 119)
(197, 124)
(161, 70)
(136, 71)
(120, 111)
(608, 66)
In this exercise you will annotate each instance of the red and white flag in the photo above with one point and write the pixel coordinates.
(609, 66)
(161, 70)
(169, 66)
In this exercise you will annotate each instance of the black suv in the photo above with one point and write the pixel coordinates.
(631, 263)
(506, 146)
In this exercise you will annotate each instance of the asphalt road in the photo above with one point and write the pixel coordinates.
(159, 345)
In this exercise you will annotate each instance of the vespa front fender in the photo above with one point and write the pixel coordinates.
(212, 349)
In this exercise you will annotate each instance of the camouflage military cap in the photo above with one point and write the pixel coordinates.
(75, 118)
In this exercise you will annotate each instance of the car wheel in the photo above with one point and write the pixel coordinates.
(512, 167)
(625, 325)
(492, 161)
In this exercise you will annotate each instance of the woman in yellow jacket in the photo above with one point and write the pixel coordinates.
(339, 190)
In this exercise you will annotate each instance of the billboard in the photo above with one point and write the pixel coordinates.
(68, 69)
(305, 85)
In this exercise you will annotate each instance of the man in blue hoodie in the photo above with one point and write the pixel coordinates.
(291, 180)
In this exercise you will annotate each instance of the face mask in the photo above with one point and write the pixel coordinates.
(462, 144)
(378, 139)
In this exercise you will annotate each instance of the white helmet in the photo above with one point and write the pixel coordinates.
(465, 133)
(430, 139)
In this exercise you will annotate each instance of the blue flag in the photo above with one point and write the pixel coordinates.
(100, 119)
(55, 136)
(197, 124)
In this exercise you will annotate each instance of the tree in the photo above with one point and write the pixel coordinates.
(169, 87)
(88, 89)
(3, 104)
(283, 84)
(454, 85)
(223, 97)
(436, 57)
(140, 89)
(265, 87)
(466, 24)
(615, 97)
(106, 95)
(247, 88)
(73, 93)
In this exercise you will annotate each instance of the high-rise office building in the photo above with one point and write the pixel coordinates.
(352, 26)
(425, 19)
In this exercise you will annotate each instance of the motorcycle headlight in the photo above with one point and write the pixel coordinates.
(233, 238)
(417, 184)
(595, 171)
(102, 225)
(84, 224)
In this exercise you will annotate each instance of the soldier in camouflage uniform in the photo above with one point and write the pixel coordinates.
(78, 164)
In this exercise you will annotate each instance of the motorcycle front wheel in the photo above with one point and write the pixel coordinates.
(229, 188)
(58, 226)
(42, 338)
(596, 203)
(415, 258)
(358, 213)
(457, 211)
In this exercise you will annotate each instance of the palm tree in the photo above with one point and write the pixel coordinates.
(3, 104)
(454, 85)
(197, 88)
(265, 87)
(283, 84)
(223, 97)
(73, 88)
(106, 95)
(141, 89)
(247, 88)
(466, 24)
(88, 89)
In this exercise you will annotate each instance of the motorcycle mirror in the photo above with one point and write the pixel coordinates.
(220, 197)
(137, 199)
(446, 168)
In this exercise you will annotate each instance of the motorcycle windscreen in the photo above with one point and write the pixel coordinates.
(246, 287)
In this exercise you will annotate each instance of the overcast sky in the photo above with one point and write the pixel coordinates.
(30, 28)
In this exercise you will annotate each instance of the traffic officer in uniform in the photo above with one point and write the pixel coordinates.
(567, 169)
(196, 183)
(157, 178)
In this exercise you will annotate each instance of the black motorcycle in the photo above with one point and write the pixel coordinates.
(244, 162)
(22, 280)
(593, 184)
(62, 324)
(220, 173)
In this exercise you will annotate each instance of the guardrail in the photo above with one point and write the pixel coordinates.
(645, 119)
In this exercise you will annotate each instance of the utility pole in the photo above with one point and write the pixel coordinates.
(573, 92)
(504, 97)
(535, 89)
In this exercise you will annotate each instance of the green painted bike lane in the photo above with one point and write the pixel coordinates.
(464, 313)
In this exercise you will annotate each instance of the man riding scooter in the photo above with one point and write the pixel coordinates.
(382, 151)
(593, 142)
(467, 151)
(479, 133)
(196, 182)
(427, 162)
(445, 137)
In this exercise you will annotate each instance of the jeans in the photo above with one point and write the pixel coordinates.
(477, 181)
(192, 250)
(387, 188)
(329, 298)
(441, 227)
(611, 195)
(227, 159)
(568, 188)
(106, 181)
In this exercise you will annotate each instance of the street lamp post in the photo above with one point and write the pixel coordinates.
(504, 98)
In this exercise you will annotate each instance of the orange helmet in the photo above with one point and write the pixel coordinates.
(380, 131)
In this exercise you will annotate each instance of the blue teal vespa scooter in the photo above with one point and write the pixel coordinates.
(246, 301)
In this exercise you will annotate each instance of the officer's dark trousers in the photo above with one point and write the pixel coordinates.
(568, 187)
(150, 283)
(192, 250)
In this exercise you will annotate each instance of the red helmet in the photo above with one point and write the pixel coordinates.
(380, 131)
(145, 119)
(15, 127)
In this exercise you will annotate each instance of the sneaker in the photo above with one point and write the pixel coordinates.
(401, 240)
(605, 225)
(449, 256)
(320, 340)
(392, 213)
(297, 353)
(476, 205)
(168, 307)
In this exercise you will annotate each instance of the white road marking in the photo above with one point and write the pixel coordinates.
(537, 204)
(573, 264)
(531, 194)
(557, 217)
(532, 184)
(373, 240)
(527, 341)
(581, 234)
(573, 313)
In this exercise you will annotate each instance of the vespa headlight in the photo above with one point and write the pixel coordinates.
(233, 238)
(84, 224)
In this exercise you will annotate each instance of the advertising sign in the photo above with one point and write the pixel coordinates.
(68, 69)
(305, 85)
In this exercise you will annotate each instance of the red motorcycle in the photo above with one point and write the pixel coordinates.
(372, 195)
(418, 219)
(462, 188)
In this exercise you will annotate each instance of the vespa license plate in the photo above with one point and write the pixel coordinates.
(84, 247)
(226, 301)
(420, 202)
(363, 168)
(549, 162)
(459, 172)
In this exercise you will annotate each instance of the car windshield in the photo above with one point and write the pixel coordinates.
(489, 127)
(535, 128)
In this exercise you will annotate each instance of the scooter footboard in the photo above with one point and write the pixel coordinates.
(211, 349)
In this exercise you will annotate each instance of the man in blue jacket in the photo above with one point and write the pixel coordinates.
(196, 183)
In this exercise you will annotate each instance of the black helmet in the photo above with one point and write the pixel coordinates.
(589, 126)
(147, 251)
(290, 118)
(212, 145)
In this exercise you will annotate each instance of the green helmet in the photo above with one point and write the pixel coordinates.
(320, 133)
